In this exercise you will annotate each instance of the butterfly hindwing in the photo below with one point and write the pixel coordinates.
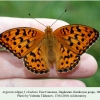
(66, 60)
(36, 61)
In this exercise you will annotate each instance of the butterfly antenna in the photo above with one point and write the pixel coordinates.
(37, 20)
(59, 16)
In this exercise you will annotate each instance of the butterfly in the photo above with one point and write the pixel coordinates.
(40, 50)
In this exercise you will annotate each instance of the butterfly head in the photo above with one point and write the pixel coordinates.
(48, 30)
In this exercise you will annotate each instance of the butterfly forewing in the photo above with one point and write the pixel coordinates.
(76, 38)
(21, 41)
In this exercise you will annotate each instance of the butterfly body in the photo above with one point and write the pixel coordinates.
(40, 50)
(49, 45)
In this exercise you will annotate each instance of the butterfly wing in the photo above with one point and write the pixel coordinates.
(66, 60)
(36, 61)
(73, 40)
(21, 41)
(77, 38)
(26, 43)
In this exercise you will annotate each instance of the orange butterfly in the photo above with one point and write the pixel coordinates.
(40, 50)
